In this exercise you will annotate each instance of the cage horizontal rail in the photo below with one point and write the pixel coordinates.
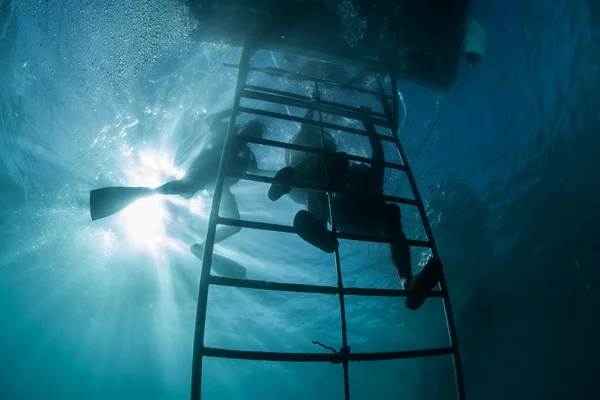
(265, 226)
(323, 357)
(317, 106)
(316, 289)
(326, 125)
(308, 186)
(279, 72)
(290, 146)
(306, 98)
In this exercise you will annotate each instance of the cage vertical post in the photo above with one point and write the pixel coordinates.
(211, 231)
(336, 254)
(428, 231)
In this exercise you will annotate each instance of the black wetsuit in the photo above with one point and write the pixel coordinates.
(204, 169)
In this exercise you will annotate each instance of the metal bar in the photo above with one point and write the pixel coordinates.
(317, 289)
(382, 239)
(334, 110)
(395, 103)
(196, 390)
(299, 77)
(327, 125)
(283, 145)
(336, 256)
(423, 213)
(323, 357)
(265, 226)
(306, 98)
(323, 188)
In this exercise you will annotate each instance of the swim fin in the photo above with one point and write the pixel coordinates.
(282, 183)
(424, 283)
(312, 231)
(107, 201)
(223, 266)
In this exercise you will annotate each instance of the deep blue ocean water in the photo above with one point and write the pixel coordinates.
(99, 93)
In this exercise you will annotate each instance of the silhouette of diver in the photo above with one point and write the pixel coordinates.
(362, 211)
(201, 174)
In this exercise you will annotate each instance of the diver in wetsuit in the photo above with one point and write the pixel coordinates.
(362, 211)
(202, 174)
(310, 168)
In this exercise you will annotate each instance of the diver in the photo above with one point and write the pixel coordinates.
(359, 209)
(201, 174)
(313, 169)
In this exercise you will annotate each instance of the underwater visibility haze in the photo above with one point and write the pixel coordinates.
(108, 93)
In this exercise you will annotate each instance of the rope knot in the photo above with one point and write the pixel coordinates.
(337, 357)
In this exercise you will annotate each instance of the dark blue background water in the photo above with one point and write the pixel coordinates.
(508, 173)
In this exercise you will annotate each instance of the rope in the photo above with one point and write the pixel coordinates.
(338, 356)
(325, 347)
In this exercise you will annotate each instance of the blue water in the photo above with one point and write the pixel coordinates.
(100, 93)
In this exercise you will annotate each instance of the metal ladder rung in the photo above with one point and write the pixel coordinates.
(326, 125)
(322, 188)
(283, 145)
(299, 77)
(328, 109)
(323, 357)
(264, 226)
(381, 239)
(318, 289)
(306, 98)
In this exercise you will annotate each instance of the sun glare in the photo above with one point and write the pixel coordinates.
(144, 220)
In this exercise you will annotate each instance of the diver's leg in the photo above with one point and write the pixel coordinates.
(318, 205)
(182, 187)
(310, 115)
(201, 172)
(377, 169)
(284, 178)
(229, 209)
(399, 247)
(335, 165)
(311, 225)
(426, 279)
(390, 215)
(423, 283)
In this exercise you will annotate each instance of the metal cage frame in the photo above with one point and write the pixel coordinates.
(389, 120)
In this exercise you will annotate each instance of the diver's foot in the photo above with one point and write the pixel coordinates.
(312, 231)
(282, 184)
(424, 283)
